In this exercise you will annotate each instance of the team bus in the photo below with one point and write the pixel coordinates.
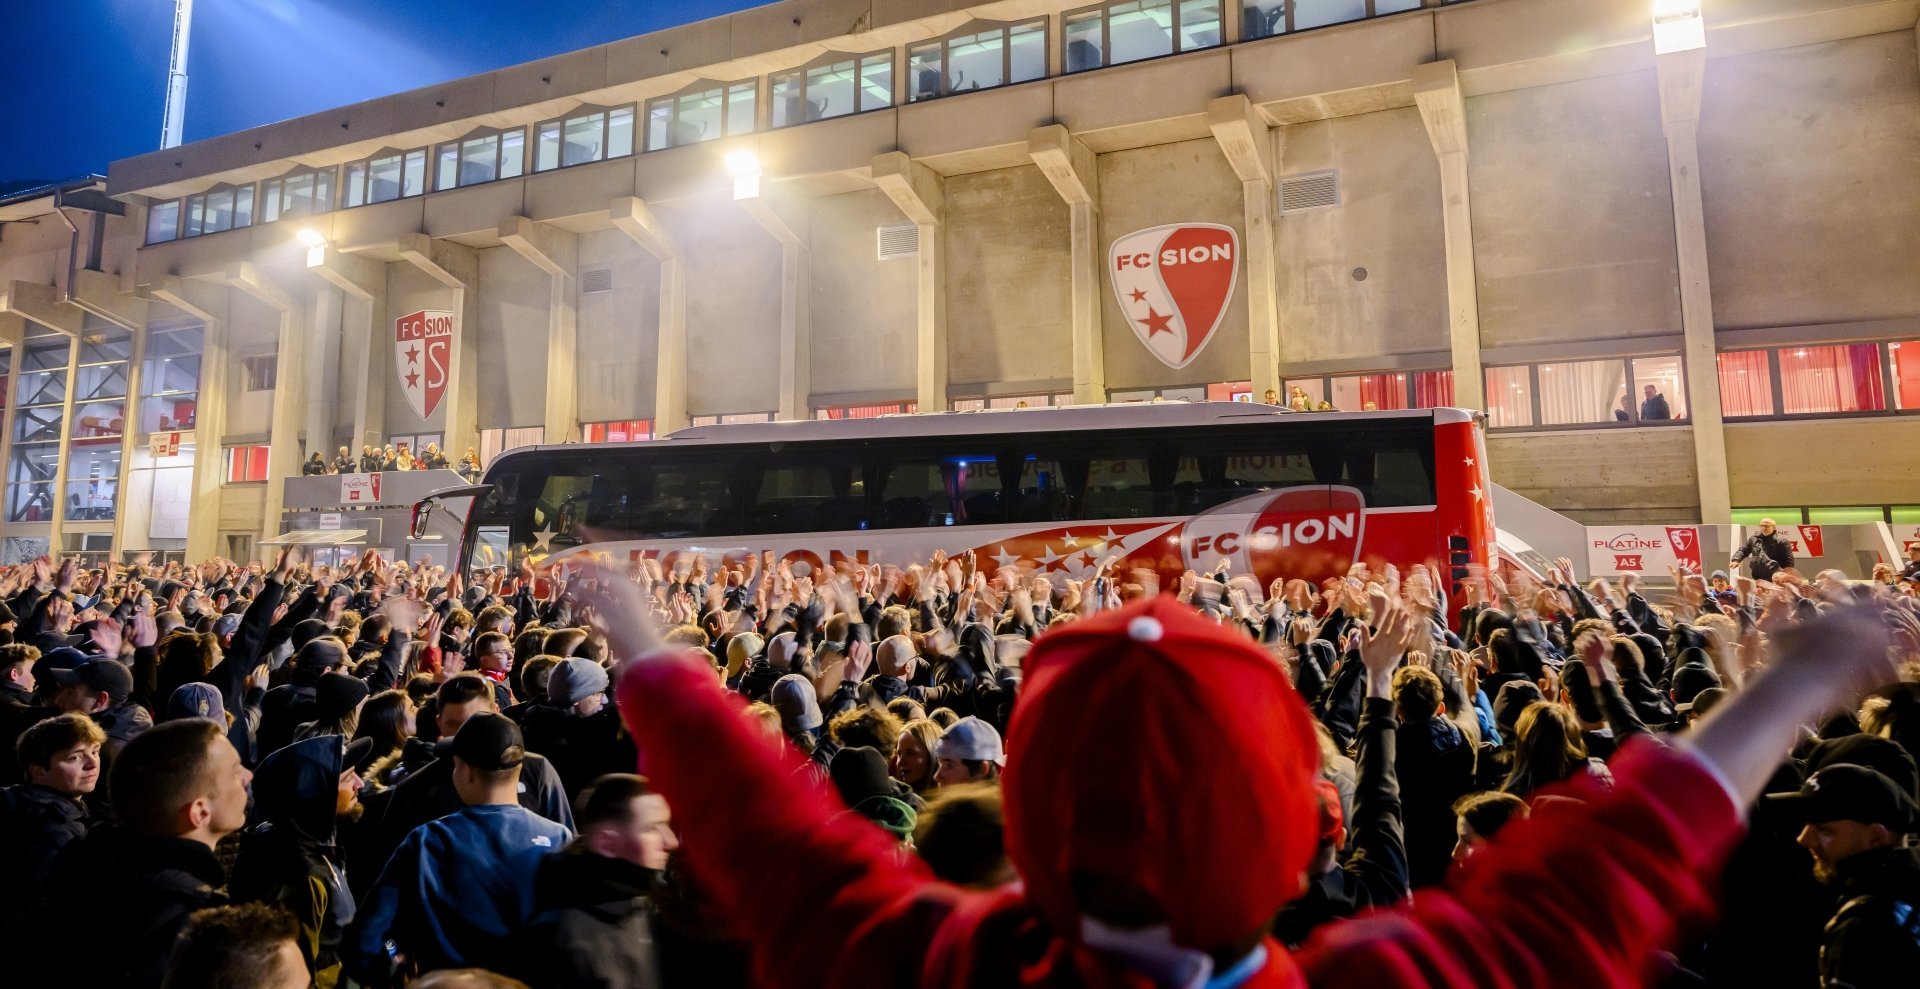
(1167, 486)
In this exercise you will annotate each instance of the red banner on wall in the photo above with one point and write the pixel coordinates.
(1811, 542)
(1685, 540)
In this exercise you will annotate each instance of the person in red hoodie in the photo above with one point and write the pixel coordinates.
(1157, 856)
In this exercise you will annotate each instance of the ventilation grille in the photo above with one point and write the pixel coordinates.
(596, 280)
(1314, 190)
(898, 242)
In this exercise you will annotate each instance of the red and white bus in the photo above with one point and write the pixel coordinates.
(1169, 486)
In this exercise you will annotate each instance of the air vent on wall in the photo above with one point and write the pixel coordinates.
(596, 280)
(898, 242)
(1313, 190)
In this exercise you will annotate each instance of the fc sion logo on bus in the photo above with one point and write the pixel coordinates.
(1173, 283)
(1294, 532)
(423, 354)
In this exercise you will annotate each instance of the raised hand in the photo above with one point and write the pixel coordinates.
(1381, 649)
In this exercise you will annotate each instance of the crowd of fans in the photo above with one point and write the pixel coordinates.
(947, 774)
(373, 459)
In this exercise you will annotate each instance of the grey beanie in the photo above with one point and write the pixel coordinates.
(575, 679)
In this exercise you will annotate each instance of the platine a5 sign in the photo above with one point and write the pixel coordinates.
(1642, 549)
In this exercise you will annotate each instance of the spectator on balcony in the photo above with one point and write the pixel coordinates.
(388, 459)
(369, 459)
(470, 465)
(433, 459)
(406, 460)
(342, 462)
(314, 466)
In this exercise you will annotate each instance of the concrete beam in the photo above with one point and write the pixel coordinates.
(13, 330)
(1241, 131)
(1680, 76)
(1066, 162)
(248, 278)
(99, 293)
(1247, 141)
(362, 278)
(548, 249)
(783, 217)
(916, 191)
(1436, 90)
(555, 252)
(197, 299)
(43, 305)
(1071, 167)
(432, 257)
(633, 217)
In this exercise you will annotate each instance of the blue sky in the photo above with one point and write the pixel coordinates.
(83, 81)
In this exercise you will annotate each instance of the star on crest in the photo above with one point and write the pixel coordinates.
(1156, 323)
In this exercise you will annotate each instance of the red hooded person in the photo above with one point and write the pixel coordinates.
(1161, 806)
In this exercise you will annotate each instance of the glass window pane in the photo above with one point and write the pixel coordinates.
(876, 81)
(513, 154)
(1746, 386)
(1846, 515)
(659, 125)
(620, 132)
(163, 222)
(383, 179)
(1844, 378)
(1906, 374)
(93, 481)
(830, 91)
(1311, 391)
(1509, 397)
(477, 159)
(1200, 24)
(1141, 29)
(697, 117)
(270, 204)
(1316, 13)
(1027, 51)
(585, 139)
(1394, 6)
(1263, 18)
(1659, 388)
(925, 65)
(787, 108)
(547, 152)
(219, 211)
(446, 169)
(323, 191)
(1432, 389)
(196, 215)
(413, 180)
(740, 107)
(356, 191)
(1585, 391)
(1084, 47)
(976, 61)
(243, 207)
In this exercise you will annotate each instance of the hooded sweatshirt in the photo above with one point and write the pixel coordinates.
(287, 857)
(1201, 803)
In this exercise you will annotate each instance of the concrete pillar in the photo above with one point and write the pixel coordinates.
(916, 191)
(1436, 89)
(64, 463)
(555, 252)
(357, 354)
(639, 222)
(284, 453)
(208, 303)
(1070, 166)
(1247, 140)
(1680, 76)
(785, 219)
(458, 268)
(322, 340)
(13, 330)
(43, 304)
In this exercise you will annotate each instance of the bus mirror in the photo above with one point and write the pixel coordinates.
(422, 514)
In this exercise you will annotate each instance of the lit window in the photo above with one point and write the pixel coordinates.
(1904, 359)
(621, 431)
(1372, 392)
(587, 137)
(298, 194)
(478, 159)
(871, 411)
(214, 211)
(246, 463)
(1265, 18)
(1844, 378)
(1509, 397)
(981, 58)
(163, 221)
(385, 178)
(705, 114)
(170, 378)
(833, 89)
(260, 372)
(1746, 384)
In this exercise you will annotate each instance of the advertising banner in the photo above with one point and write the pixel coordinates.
(1642, 550)
(360, 489)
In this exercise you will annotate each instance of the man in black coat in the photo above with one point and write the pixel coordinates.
(1434, 763)
(177, 790)
(1769, 551)
(593, 913)
(1855, 822)
(61, 760)
(1654, 407)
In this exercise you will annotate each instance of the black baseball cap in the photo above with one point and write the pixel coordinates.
(1846, 792)
(487, 741)
(102, 675)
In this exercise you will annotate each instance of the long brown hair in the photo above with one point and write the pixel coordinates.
(1550, 748)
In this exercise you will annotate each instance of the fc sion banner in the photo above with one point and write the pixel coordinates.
(1812, 542)
(423, 356)
(1173, 283)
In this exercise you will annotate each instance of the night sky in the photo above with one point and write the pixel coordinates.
(84, 81)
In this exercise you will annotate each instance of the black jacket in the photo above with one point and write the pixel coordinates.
(581, 749)
(1873, 940)
(1770, 554)
(287, 857)
(369, 463)
(136, 892)
(17, 713)
(1374, 873)
(1434, 764)
(592, 926)
(36, 823)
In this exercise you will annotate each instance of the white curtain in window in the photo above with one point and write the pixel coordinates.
(1587, 391)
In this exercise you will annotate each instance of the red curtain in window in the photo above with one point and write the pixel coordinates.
(1906, 374)
(1432, 389)
(1746, 387)
(1843, 378)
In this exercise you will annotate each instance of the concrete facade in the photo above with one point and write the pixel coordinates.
(1521, 184)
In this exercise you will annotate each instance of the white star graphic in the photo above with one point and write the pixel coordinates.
(1051, 558)
(1005, 558)
(1111, 536)
(1469, 461)
(544, 539)
(1070, 539)
(1475, 492)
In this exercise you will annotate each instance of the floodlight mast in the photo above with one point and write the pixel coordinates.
(176, 111)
